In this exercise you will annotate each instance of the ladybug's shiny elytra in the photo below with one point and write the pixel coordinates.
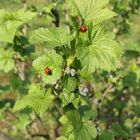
(83, 28)
(48, 71)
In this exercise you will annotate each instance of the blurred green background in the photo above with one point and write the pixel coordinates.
(120, 111)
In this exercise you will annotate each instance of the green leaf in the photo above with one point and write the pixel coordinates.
(103, 53)
(73, 116)
(130, 79)
(134, 68)
(62, 138)
(91, 10)
(86, 132)
(71, 137)
(6, 61)
(52, 60)
(54, 37)
(36, 99)
(70, 84)
(132, 46)
(86, 76)
(9, 22)
(63, 120)
(120, 131)
(87, 113)
(81, 131)
(69, 97)
(8, 30)
(106, 135)
(22, 122)
(24, 15)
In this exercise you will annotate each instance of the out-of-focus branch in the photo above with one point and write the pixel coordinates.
(36, 129)
(109, 88)
(99, 101)
(57, 17)
(4, 137)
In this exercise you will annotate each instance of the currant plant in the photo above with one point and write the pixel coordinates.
(67, 65)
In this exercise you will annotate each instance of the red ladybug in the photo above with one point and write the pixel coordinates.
(48, 71)
(83, 28)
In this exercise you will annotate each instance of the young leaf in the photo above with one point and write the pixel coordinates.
(91, 10)
(66, 97)
(70, 84)
(6, 61)
(103, 53)
(52, 36)
(52, 60)
(69, 97)
(36, 99)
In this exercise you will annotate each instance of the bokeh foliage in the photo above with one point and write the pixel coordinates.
(115, 94)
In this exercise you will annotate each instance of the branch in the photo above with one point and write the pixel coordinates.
(99, 101)
(106, 91)
(4, 137)
(57, 17)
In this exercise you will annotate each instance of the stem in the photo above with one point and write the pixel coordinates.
(57, 17)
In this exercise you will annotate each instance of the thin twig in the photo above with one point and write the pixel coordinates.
(106, 91)
(101, 99)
